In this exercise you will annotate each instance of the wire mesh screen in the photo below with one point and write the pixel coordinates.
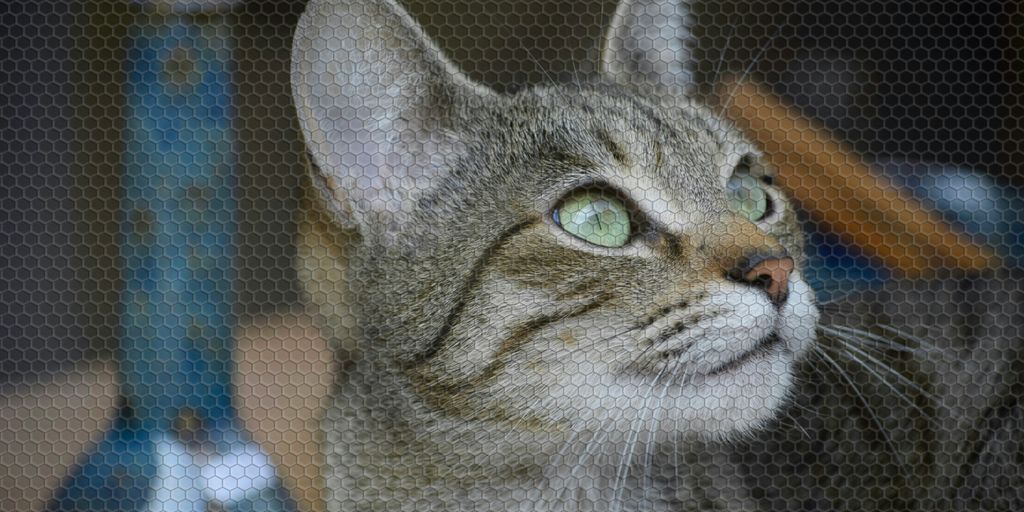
(616, 255)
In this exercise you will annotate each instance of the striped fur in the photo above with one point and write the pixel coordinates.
(494, 361)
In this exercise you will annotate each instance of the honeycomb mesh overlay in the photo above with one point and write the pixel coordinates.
(528, 255)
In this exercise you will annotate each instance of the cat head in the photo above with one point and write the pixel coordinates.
(567, 255)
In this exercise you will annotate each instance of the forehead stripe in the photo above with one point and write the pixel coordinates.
(613, 147)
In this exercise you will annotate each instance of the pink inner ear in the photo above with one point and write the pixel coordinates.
(379, 132)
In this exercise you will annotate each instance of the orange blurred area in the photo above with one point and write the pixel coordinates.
(835, 185)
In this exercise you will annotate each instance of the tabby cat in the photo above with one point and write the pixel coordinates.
(574, 297)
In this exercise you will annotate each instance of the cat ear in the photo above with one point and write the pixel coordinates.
(373, 96)
(649, 44)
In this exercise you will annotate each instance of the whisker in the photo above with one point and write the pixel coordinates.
(509, 32)
(911, 337)
(630, 446)
(567, 444)
(721, 58)
(558, 460)
(746, 72)
(576, 77)
(873, 416)
(793, 423)
(595, 440)
(903, 378)
(851, 342)
(675, 442)
(792, 403)
(812, 413)
(835, 301)
(899, 394)
(599, 438)
(879, 340)
(829, 333)
(649, 456)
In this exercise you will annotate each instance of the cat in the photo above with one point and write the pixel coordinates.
(548, 282)
(578, 297)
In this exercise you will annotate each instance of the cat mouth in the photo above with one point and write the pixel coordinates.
(762, 348)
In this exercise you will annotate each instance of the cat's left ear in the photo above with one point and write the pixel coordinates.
(650, 45)
(377, 103)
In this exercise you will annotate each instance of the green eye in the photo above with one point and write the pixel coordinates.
(596, 217)
(748, 197)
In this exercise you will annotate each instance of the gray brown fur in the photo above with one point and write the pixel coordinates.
(467, 306)
(460, 309)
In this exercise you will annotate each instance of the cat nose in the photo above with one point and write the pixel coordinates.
(770, 274)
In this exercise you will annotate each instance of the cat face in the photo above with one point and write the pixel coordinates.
(597, 254)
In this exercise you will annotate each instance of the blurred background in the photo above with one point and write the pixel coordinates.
(928, 92)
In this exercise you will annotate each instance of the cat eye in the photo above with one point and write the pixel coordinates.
(595, 216)
(748, 197)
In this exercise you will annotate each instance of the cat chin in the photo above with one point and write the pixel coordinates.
(718, 406)
(737, 401)
(723, 405)
(726, 401)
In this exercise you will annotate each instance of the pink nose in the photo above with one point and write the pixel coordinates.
(772, 275)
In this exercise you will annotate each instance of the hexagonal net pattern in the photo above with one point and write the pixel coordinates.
(619, 255)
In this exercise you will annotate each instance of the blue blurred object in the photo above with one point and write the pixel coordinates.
(177, 444)
(835, 267)
(988, 211)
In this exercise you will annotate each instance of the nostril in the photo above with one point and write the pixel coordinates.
(762, 281)
(772, 276)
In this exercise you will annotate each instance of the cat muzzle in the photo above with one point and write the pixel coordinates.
(772, 276)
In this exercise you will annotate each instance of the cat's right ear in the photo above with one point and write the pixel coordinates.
(374, 96)
(650, 45)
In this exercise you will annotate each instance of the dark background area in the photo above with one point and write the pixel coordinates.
(933, 81)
